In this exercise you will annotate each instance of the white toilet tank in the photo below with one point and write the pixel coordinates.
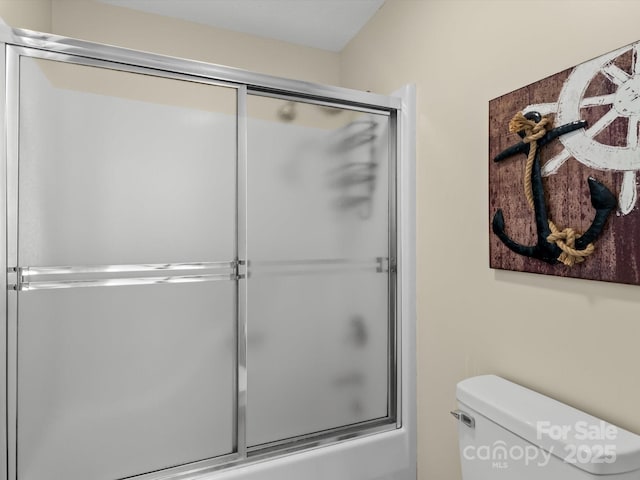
(507, 431)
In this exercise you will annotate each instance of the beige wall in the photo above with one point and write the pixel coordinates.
(90, 20)
(94, 21)
(30, 14)
(574, 340)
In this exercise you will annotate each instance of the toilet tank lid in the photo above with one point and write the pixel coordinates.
(586, 442)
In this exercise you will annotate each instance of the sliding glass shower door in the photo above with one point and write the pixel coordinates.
(124, 241)
(318, 224)
(200, 273)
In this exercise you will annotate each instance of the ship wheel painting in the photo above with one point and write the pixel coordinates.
(564, 155)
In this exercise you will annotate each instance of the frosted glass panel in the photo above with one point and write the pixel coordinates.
(317, 353)
(118, 381)
(318, 220)
(122, 168)
(317, 183)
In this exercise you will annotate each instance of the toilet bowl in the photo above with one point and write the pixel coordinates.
(507, 431)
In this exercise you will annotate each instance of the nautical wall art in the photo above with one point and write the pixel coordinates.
(564, 156)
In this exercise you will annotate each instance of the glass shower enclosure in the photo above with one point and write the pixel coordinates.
(202, 265)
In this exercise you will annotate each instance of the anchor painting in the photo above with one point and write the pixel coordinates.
(551, 247)
(576, 145)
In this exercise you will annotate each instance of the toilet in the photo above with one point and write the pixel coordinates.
(507, 431)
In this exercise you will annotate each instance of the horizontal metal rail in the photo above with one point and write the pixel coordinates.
(315, 261)
(144, 267)
(337, 96)
(119, 282)
(120, 275)
(56, 277)
(315, 266)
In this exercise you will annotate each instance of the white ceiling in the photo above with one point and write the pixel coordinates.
(325, 24)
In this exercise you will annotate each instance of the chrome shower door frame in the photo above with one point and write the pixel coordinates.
(19, 279)
(401, 259)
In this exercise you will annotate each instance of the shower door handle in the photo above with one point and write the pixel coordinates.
(47, 278)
